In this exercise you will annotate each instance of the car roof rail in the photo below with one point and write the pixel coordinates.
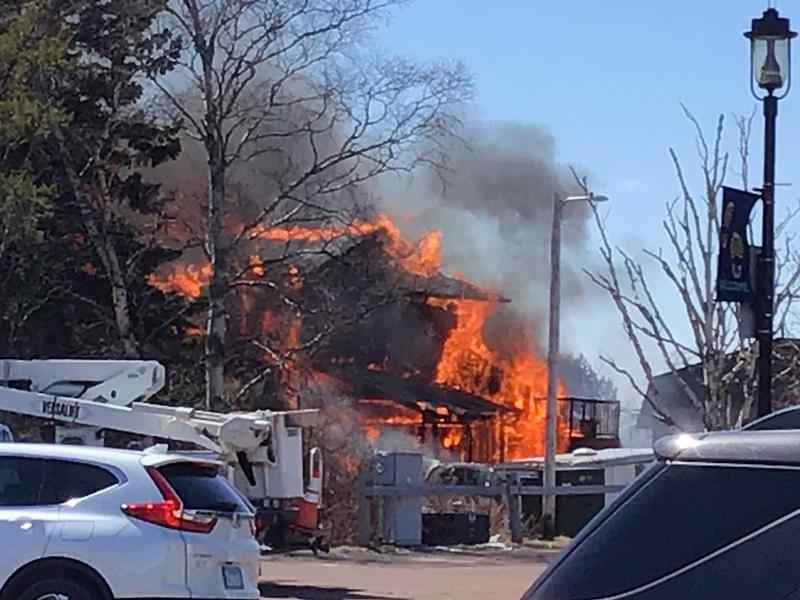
(787, 418)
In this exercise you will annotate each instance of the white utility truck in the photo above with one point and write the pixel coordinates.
(263, 450)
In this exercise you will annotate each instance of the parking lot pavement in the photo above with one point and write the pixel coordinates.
(416, 577)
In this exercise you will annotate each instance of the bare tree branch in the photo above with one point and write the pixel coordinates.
(706, 352)
(289, 86)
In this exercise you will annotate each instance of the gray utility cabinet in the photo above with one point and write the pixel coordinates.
(402, 515)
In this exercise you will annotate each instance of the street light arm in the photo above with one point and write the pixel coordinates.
(590, 197)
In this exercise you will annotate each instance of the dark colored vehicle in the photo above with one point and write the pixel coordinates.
(472, 474)
(717, 516)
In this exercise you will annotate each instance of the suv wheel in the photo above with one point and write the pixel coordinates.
(57, 589)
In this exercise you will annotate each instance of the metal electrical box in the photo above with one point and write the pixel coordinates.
(402, 515)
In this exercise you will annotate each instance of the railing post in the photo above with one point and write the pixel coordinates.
(364, 507)
(514, 501)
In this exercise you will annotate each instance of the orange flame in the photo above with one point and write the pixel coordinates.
(452, 437)
(518, 381)
(187, 280)
(373, 427)
(194, 331)
(423, 258)
(256, 266)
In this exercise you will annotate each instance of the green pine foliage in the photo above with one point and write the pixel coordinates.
(75, 139)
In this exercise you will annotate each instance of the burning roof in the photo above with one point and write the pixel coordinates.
(373, 256)
(416, 393)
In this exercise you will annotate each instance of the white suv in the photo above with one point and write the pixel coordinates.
(81, 523)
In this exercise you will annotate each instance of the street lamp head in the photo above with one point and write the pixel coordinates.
(586, 198)
(770, 54)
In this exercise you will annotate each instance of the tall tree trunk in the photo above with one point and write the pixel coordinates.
(108, 255)
(218, 254)
(119, 289)
(122, 306)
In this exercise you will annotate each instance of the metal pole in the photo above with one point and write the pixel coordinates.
(364, 506)
(549, 499)
(514, 500)
(766, 262)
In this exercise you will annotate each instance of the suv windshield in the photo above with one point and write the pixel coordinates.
(681, 515)
(201, 487)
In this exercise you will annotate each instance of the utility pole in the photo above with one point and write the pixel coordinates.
(553, 351)
(551, 432)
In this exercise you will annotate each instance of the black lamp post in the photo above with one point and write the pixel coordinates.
(770, 63)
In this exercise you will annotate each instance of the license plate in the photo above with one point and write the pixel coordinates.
(232, 576)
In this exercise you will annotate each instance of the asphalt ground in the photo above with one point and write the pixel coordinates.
(362, 575)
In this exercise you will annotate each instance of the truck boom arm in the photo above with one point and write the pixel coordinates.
(106, 394)
(132, 419)
(262, 449)
(120, 382)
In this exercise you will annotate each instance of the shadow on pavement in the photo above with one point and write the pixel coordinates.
(311, 592)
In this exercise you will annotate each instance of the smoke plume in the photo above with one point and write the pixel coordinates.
(495, 210)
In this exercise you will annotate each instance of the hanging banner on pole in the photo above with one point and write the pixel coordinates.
(734, 280)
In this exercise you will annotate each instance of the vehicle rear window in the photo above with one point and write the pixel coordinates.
(21, 480)
(683, 514)
(201, 487)
(67, 480)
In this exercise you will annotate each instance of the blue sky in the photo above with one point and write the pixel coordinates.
(606, 79)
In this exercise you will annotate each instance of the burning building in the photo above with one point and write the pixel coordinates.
(429, 360)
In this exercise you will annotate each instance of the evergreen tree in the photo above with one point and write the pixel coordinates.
(80, 220)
